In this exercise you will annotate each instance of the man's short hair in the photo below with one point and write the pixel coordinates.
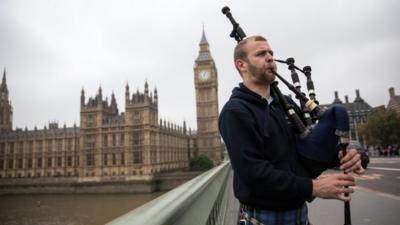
(240, 49)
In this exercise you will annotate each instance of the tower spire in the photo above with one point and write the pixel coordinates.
(3, 86)
(203, 38)
(5, 106)
(4, 75)
(82, 97)
(204, 53)
(127, 93)
(146, 88)
(113, 97)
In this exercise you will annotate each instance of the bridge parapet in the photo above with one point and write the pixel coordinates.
(200, 201)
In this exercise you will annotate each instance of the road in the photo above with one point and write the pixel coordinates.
(375, 202)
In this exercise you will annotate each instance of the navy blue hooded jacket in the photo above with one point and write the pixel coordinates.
(261, 145)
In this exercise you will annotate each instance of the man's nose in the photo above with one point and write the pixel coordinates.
(269, 57)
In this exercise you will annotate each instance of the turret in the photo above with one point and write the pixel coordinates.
(184, 127)
(113, 104)
(358, 97)
(3, 87)
(337, 100)
(100, 96)
(5, 106)
(146, 88)
(82, 97)
(113, 101)
(155, 96)
(137, 96)
(127, 94)
(142, 105)
(392, 94)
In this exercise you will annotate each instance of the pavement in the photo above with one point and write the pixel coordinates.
(367, 207)
(376, 200)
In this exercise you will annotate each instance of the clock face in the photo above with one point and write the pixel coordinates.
(204, 75)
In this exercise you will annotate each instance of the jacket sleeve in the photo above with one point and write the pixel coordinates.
(245, 146)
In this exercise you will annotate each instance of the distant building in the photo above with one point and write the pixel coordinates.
(394, 101)
(134, 144)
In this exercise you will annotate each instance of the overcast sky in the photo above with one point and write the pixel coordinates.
(51, 49)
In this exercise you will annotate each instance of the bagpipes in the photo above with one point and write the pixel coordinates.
(321, 130)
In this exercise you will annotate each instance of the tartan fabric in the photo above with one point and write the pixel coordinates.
(256, 216)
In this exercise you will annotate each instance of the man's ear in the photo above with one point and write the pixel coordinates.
(240, 65)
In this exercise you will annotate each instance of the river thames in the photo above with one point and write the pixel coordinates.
(68, 209)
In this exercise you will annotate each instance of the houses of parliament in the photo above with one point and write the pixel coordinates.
(134, 144)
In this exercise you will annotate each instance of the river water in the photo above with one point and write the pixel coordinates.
(68, 209)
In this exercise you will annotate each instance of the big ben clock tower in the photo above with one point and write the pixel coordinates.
(206, 84)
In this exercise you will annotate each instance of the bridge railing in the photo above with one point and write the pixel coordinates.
(200, 201)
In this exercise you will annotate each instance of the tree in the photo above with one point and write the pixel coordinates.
(201, 162)
(382, 128)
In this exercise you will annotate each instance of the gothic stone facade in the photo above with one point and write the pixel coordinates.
(134, 144)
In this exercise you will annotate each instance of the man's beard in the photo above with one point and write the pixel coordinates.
(262, 76)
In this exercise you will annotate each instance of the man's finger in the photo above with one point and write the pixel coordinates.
(348, 190)
(344, 177)
(351, 153)
(340, 155)
(347, 183)
(359, 171)
(344, 198)
(355, 167)
(350, 162)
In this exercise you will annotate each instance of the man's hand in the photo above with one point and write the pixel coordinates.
(332, 186)
(351, 162)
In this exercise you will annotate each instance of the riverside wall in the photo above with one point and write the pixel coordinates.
(94, 185)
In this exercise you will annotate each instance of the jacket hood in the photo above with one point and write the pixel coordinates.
(242, 92)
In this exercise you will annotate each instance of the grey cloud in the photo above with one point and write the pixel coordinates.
(54, 48)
